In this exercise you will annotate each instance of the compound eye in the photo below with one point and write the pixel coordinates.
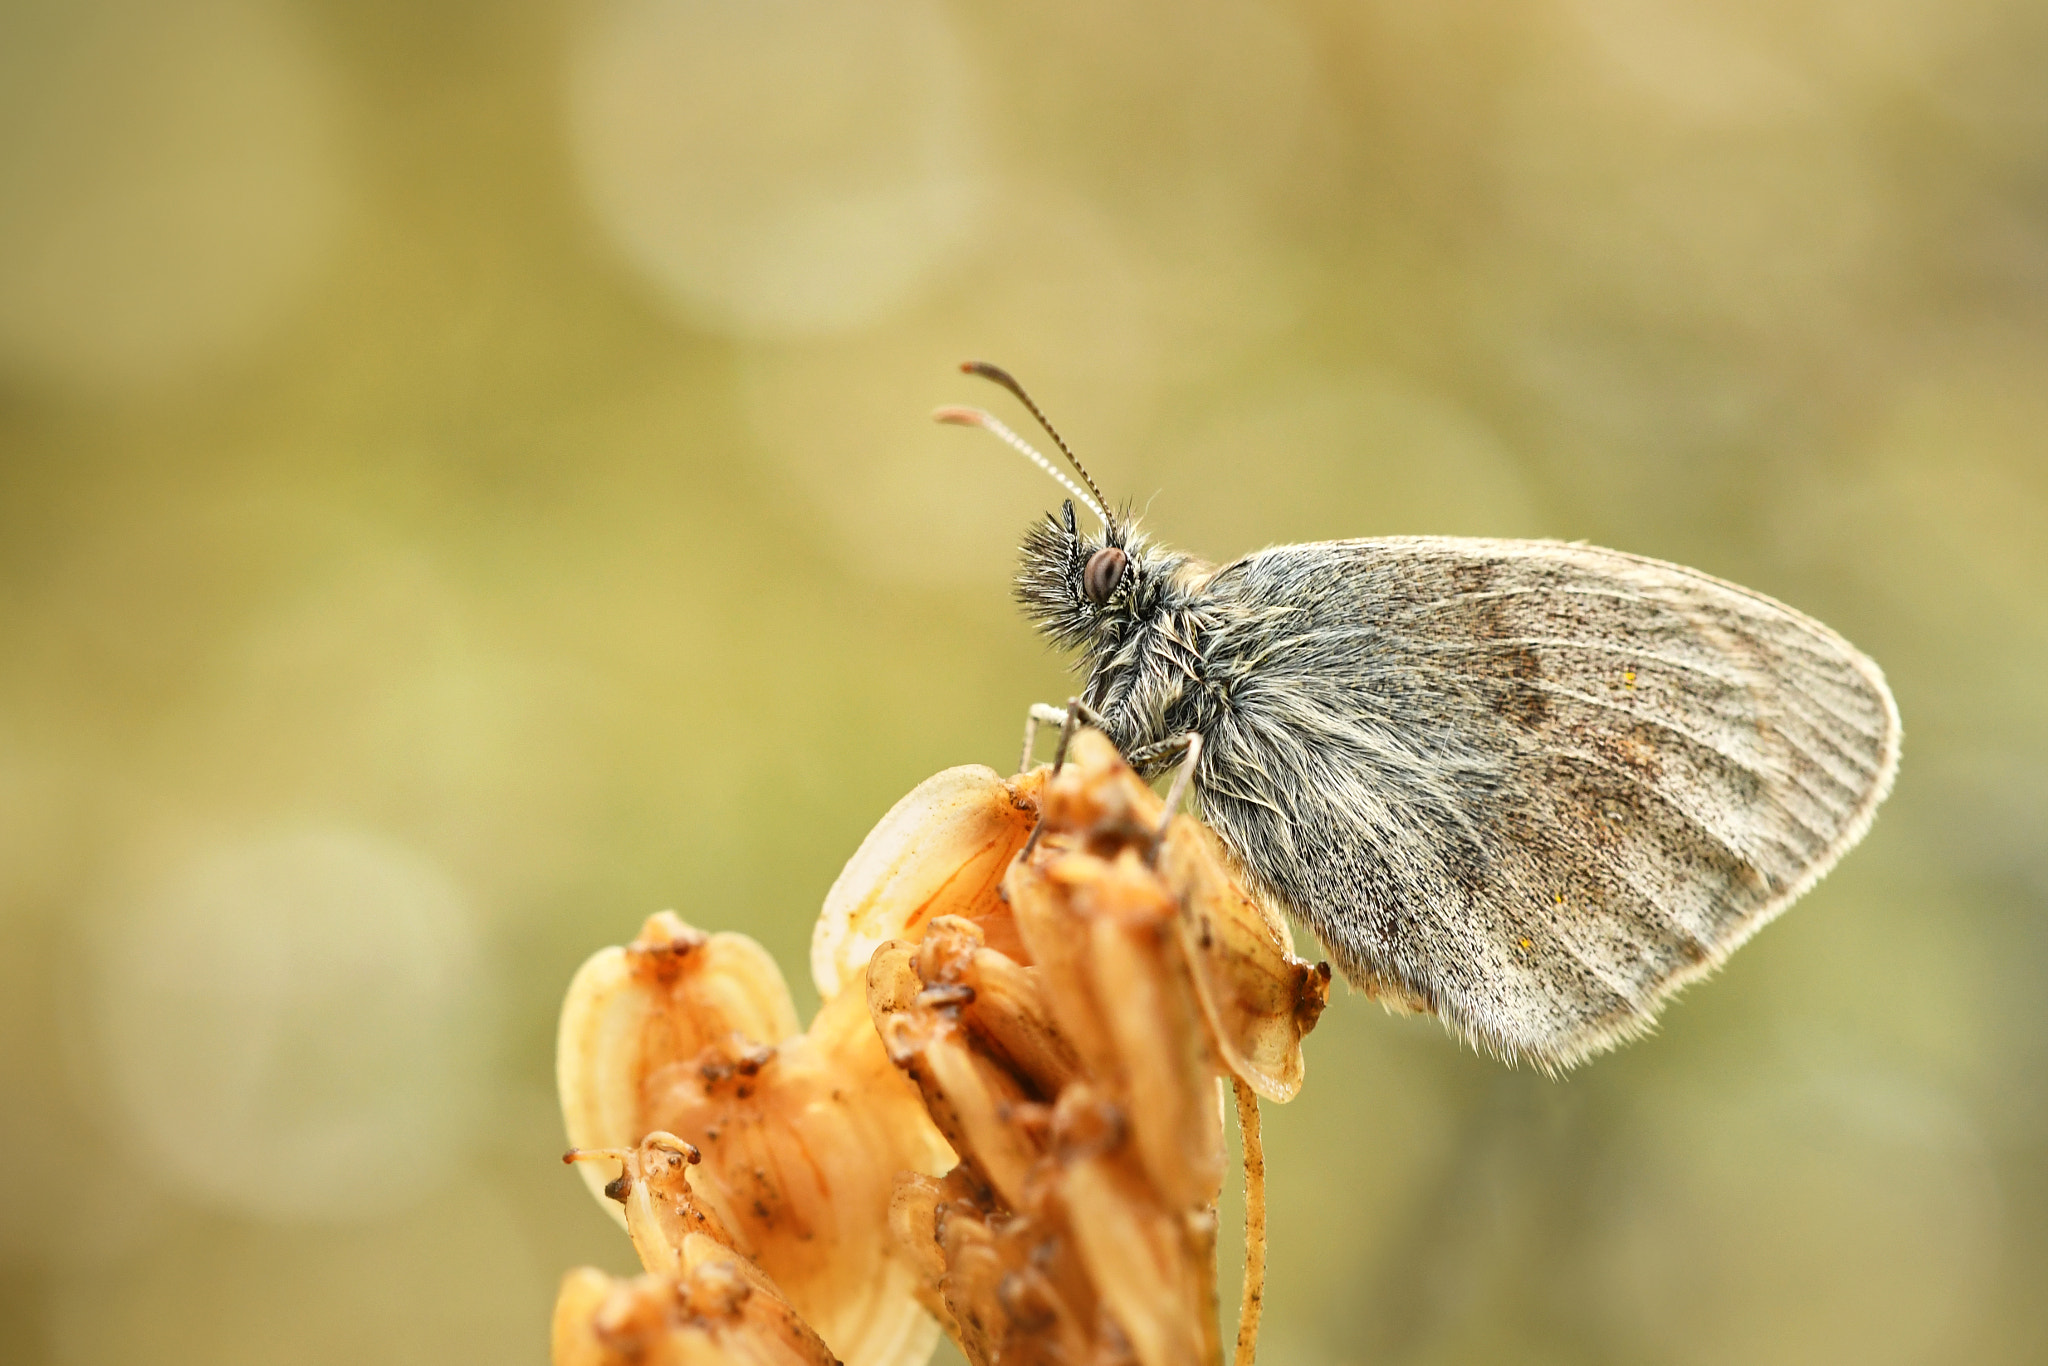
(1104, 572)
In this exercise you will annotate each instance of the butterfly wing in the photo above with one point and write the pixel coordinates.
(1530, 786)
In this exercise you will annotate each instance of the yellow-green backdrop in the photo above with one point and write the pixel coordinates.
(465, 484)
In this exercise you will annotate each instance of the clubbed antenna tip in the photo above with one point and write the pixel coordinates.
(975, 417)
(996, 374)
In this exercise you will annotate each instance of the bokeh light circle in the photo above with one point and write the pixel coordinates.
(170, 182)
(292, 1023)
(1850, 1215)
(777, 168)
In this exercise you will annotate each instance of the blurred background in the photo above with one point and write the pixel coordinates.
(465, 484)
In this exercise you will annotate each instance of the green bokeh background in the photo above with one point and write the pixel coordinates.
(465, 484)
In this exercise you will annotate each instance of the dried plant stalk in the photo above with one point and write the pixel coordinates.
(1006, 1112)
(1252, 1301)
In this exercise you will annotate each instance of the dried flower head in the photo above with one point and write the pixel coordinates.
(1076, 1076)
(801, 1135)
(1006, 1111)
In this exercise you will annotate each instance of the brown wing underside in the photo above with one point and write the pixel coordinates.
(1579, 778)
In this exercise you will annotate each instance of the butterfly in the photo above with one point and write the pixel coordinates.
(1531, 787)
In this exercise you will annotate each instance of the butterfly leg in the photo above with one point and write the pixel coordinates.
(1190, 747)
(1040, 712)
(1077, 712)
(1069, 718)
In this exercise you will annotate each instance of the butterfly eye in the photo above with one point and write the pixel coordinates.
(1104, 572)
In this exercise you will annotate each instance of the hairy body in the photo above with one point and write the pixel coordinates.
(1529, 786)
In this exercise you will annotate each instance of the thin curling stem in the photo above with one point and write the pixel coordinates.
(594, 1154)
(1253, 1299)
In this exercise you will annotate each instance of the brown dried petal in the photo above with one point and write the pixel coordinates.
(1009, 1014)
(1001, 1282)
(941, 850)
(801, 1140)
(670, 994)
(975, 1267)
(914, 1221)
(1259, 998)
(653, 1189)
(1001, 1001)
(1057, 935)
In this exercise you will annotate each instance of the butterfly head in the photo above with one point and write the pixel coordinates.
(1085, 589)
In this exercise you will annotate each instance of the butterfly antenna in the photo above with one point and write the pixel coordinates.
(975, 417)
(998, 375)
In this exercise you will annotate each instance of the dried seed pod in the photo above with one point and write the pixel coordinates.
(670, 994)
(977, 1101)
(715, 1309)
(1117, 981)
(1260, 1000)
(653, 1190)
(802, 1135)
(1004, 1006)
(1152, 1263)
(1006, 1285)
